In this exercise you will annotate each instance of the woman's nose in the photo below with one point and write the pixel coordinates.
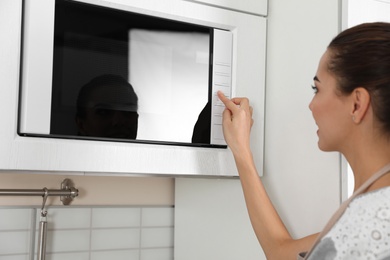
(311, 105)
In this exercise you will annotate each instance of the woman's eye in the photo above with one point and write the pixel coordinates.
(315, 89)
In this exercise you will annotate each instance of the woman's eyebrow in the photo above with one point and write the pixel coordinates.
(316, 79)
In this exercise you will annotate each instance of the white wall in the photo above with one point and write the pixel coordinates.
(360, 11)
(303, 182)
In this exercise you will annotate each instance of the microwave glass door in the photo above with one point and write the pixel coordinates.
(119, 75)
(125, 76)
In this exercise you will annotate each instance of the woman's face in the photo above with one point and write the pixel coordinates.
(330, 109)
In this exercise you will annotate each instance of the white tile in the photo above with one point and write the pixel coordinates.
(152, 217)
(115, 255)
(116, 217)
(157, 237)
(16, 242)
(67, 240)
(15, 219)
(115, 239)
(157, 254)
(114, 229)
(15, 257)
(67, 256)
(67, 218)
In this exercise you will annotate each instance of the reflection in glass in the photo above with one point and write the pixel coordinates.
(202, 128)
(170, 73)
(107, 107)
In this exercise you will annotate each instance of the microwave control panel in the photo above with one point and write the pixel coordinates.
(221, 81)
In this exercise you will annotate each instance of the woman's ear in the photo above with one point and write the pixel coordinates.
(361, 102)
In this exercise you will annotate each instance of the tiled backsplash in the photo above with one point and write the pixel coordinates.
(89, 233)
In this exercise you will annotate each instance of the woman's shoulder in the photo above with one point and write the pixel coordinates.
(373, 199)
(362, 232)
(368, 212)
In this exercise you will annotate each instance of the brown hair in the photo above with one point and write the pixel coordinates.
(360, 57)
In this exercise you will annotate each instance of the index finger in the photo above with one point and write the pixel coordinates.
(233, 103)
(227, 102)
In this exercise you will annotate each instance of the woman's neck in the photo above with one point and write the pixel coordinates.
(366, 158)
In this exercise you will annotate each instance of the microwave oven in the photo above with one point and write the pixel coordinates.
(27, 76)
(110, 74)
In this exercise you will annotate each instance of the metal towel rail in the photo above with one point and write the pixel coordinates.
(67, 193)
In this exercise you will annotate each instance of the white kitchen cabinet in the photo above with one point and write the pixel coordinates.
(211, 221)
(114, 158)
(259, 7)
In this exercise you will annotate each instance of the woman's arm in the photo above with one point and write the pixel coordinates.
(272, 234)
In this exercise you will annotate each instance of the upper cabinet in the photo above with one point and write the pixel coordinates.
(45, 128)
(259, 7)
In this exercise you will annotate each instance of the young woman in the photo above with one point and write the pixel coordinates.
(351, 108)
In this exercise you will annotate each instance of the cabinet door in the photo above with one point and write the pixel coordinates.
(250, 6)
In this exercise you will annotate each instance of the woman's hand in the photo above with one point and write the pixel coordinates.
(237, 122)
